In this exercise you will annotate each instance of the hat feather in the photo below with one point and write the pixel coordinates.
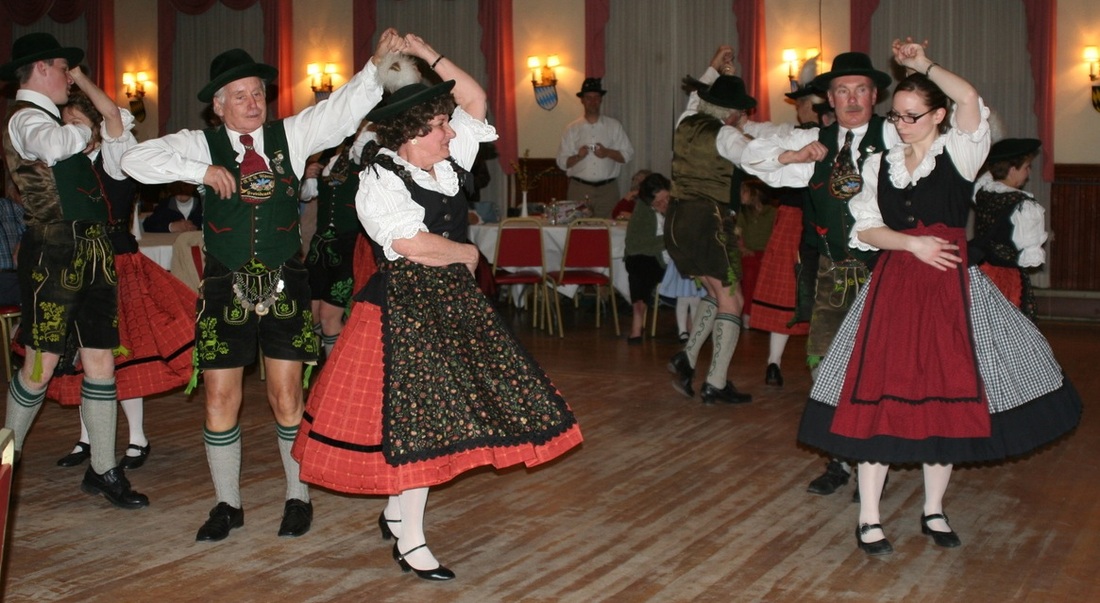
(397, 71)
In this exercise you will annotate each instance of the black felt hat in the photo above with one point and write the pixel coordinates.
(1011, 148)
(852, 63)
(231, 66)
(591, 84)
(407, 97)
(803, 92)
(728, 91)
(37, 47)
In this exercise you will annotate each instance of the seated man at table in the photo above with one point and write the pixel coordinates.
(179, 211)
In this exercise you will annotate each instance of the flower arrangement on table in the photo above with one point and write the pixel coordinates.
(524, 180)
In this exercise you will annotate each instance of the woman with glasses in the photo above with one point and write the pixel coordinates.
(932, 365)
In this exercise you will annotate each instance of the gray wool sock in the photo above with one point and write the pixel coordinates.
(223, 454)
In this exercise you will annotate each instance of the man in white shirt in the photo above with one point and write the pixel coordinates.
(255, 291)
(829, 160)
(66, 266)
(592, 152)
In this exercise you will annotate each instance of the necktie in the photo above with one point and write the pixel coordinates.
(845, 181)
(257, 181)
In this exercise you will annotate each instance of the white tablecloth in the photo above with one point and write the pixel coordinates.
(157, 246)
(553, 245)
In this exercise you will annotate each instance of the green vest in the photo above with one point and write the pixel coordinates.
(68, 191)
(826, 212)
(236, 232)
(336, 194)
(698, 171)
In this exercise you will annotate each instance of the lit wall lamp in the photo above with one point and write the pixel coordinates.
(320, 79)
(544, 80)
(1093, 59)
(790, 57)
(134, 83)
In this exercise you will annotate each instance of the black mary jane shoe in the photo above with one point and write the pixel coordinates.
(384, 528)
(76, 457)
(223, 518)
(772, 376)
(878, 547)
(133, 462)
(947, 540)
(440, 573)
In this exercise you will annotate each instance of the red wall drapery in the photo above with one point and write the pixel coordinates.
(751, 43)
(364, 17)
(1041, 40)
(278, 34)
(596, 15)
(495, 17)
(860, 12)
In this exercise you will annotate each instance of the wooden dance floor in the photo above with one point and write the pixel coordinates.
(667, 500)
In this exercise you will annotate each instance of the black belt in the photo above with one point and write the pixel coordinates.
(590, 183)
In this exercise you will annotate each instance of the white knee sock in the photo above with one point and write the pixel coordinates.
(703, 324)
(23, 406)
(99, 411)
(223, 454)
(727, 329)
(776, 344)
(134, 409)
(295, 487)
(413, 503)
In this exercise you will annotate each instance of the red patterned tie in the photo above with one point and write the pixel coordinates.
(257, 181)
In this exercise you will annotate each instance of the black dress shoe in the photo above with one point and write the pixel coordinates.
(383, 525)
(223, 517)
(948, 539)
(680, 366)
(114, 486)
(878, 547)
(772, 376)
(834, 477)
(439, 573)
(727, 395)
(133, 462)
(77, 457)
(634, 340)
(297, 518)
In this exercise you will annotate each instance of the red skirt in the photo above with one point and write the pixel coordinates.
(366, 395)
(774, 296)
(1007, 279)
(156, 329)
(913, 372)
(750, 269)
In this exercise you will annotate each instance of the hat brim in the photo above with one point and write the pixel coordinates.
(71, 54)
(583, 92)
(741, 103)
(263, 71)
(801, 93)
(880, 78)
(389, 110)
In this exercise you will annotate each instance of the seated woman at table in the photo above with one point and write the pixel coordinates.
(179, 211)
(625, 206)
(644, 255)
(155, 310)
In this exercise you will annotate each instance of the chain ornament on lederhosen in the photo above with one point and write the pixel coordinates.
(845, 181)
(257, 181)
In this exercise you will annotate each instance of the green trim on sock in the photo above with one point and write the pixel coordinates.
(222, 438)
(98, 390)
(286, 433)
(23, 395)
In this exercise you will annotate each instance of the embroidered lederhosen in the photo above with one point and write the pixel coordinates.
(254, 288)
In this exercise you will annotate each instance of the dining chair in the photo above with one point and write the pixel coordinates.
(586, 261)
(7, 467)
(9, 317)
(518, 260)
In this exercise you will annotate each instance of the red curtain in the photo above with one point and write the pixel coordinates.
(860, 19)
(1041, 40)
(364, 21)
(495, 18)
(98, 15)
(596, 15)
(278, 33)
(751, 44)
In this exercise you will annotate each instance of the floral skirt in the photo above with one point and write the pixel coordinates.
(156, 329)
(430, 386)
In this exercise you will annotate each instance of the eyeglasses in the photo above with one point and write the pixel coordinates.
(894, 117)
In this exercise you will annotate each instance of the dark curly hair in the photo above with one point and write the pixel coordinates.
(933, 96)
(80, 101)
(999, 169)
(414, 122)
(653, 184)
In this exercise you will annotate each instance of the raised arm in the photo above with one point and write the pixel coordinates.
(467, 92)
(112, 117)
(911, 55)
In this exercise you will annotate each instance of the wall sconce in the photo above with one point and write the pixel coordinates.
(320, 79)
(1093, 59)
(134, 84)
(790, 57)
(544, 80)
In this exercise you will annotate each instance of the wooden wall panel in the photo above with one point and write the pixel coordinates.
(1075, 224)
(550, 182)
